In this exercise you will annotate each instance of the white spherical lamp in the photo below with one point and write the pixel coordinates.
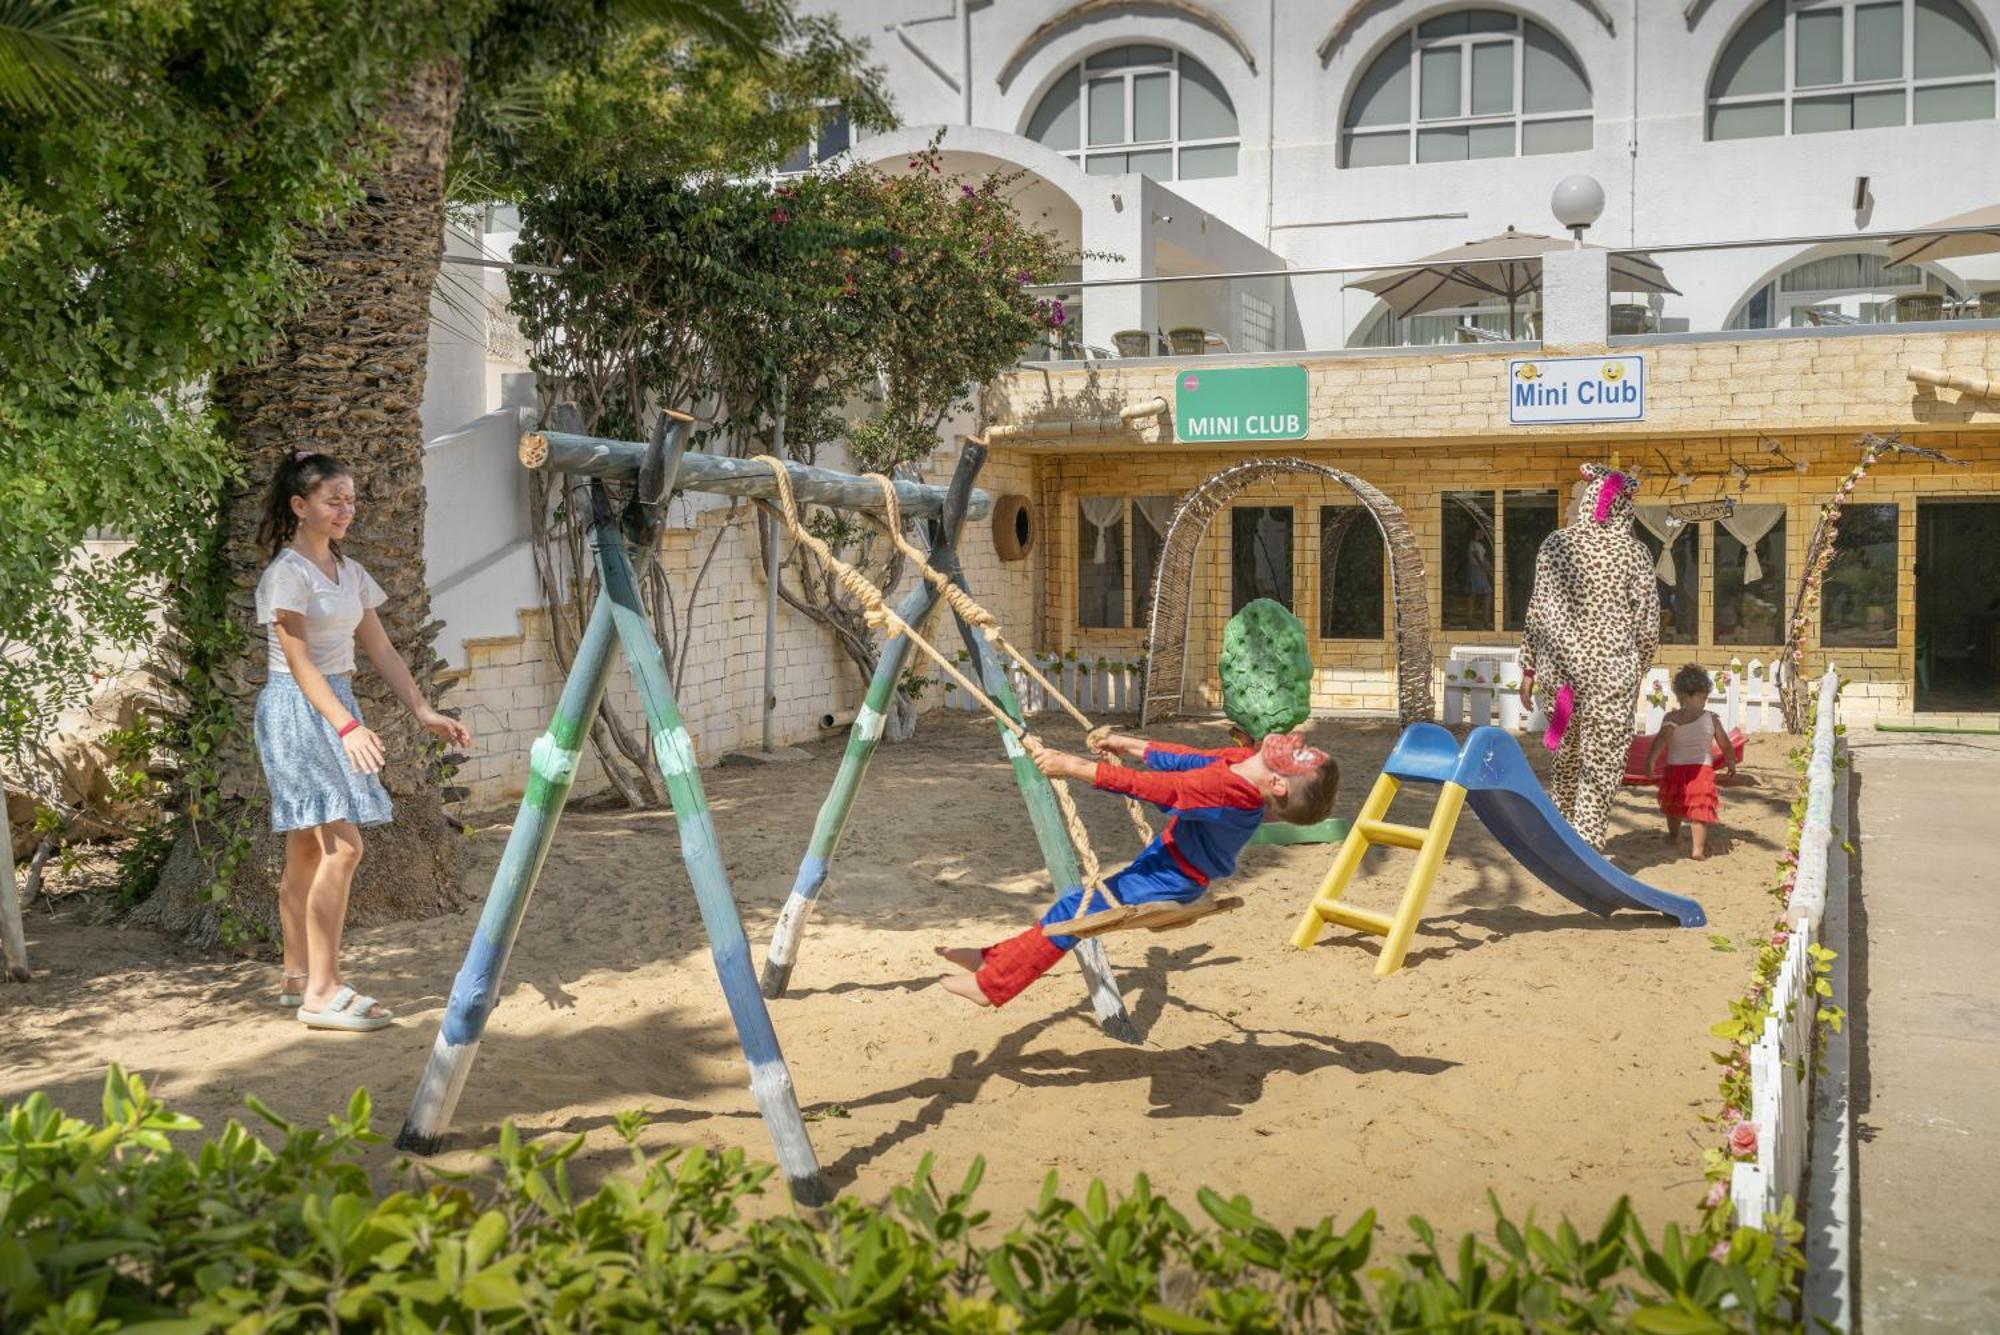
(1578, 202)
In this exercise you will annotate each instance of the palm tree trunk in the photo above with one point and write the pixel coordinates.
(347, 378)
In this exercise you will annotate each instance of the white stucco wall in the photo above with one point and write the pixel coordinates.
(1664, 182)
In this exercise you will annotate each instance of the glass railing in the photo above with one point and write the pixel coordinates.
(1798, 286)
(1280, 312)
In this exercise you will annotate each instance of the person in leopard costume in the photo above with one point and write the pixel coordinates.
(1593, 624)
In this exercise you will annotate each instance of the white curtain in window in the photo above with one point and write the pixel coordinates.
(1101, 512)
(1157, 511)
(1654, 519)
(1748, 526)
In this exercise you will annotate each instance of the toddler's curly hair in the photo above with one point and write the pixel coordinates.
(1693, 679)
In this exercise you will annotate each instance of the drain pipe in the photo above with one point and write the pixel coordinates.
(1080, 426)
(1964, 384)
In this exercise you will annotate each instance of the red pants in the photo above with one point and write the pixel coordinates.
(1006, 970)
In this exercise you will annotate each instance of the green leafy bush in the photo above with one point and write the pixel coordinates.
(1266, 669)
(109, 1227)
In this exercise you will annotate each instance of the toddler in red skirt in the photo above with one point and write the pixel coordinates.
(1688, 740)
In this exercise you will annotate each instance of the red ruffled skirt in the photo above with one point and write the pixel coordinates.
(1688, 792)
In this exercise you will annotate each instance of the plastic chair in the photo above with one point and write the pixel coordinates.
(1915, 307)
(1188, 341)
(1133, 343)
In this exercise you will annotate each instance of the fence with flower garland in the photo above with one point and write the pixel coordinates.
(1479, 689)
(1767, 1140)
(1096, 686)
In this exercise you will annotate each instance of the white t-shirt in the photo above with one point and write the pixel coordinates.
(332, 608)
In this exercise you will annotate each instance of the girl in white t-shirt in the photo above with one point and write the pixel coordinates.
(320, 761)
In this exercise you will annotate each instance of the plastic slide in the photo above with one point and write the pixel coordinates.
(1510, 801)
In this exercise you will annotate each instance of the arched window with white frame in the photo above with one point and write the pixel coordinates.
(1847, 288)
(1140, 108)
(1473, 83)
(1808, 66)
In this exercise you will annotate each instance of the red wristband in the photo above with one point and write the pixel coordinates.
(348, 727)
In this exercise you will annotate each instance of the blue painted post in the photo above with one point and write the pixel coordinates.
(862, 740)
(552, 767)
(673, 749)
(1064, 873)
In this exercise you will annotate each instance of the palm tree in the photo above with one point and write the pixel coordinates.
(44, 46)
(348, 378)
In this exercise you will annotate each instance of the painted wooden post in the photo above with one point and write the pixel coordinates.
(12, 936)
(673, 749)
(862, 739)
(1479, 696)
(1508, 696)
(476, 990)
(1060, 858)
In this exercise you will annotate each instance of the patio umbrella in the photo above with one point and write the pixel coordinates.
(1919, 247)
(1507, 266)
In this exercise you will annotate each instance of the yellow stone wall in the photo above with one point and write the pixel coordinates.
(509, 686)
(1418, 424)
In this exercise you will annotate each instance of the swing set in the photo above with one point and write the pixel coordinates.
(660, 467)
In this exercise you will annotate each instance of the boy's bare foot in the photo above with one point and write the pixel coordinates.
(1699, 855)
(963, 985)
(968, 958)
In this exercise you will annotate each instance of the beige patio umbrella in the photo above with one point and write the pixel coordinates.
(1507, 266)
(1922, 247)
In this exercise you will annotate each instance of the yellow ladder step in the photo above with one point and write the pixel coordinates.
(1347, 915)
(1396, 836)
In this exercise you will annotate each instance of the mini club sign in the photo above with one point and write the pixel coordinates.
(1226, 403)
(1576, 389)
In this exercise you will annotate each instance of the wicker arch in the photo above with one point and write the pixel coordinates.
(1173, 586)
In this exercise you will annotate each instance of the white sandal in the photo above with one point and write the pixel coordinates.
(348, 1010)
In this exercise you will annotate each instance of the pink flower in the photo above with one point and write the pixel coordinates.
(1780, 938)
(1731, 1116)
(1743, 1140)
(1719, 1252)
(1718, 1192)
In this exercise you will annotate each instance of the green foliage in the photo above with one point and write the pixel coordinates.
(106, 1225)
(146, 242)
(1266, 670)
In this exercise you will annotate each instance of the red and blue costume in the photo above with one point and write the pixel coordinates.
(1213, 812)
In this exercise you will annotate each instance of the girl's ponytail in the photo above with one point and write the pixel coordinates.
(299, 474)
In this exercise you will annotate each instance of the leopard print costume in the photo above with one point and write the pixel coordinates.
(1593, 624)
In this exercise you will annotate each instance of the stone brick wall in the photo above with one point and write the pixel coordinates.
(509, 686)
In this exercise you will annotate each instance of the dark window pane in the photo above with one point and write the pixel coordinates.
(1468, 560)
(1680, 620)
(1350, 574)
(1150, 515)
(1750, 613)
(1260, 554)
(1531, 516)
(835, 134)
(1858, 602)
(1100, 563)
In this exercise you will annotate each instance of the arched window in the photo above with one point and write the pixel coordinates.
(1478, 83)
(1802, 66)
(1146, 109)
(1852, 288)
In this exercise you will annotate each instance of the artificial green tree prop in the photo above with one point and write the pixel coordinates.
(1266, 671)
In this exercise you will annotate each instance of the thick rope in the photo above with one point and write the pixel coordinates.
(973, 614)
(879, 615)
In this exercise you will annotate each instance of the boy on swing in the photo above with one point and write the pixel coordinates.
(1216, 800)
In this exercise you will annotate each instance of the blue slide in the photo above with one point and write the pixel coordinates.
(1510, 801)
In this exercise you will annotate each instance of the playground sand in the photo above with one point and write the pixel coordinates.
(1557, 1058)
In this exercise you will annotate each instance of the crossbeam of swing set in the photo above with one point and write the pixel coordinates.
(721, 475)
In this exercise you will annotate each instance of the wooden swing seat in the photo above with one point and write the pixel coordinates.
(1156, 917)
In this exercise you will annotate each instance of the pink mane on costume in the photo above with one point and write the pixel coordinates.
(1559, 717)
(1608, 494)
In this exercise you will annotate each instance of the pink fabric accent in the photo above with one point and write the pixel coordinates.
(1559, 717)
(1607, 495)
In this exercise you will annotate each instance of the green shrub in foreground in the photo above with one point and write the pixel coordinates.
(109, 1227)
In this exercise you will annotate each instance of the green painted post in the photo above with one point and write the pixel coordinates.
(1064, 874)
(701, 854)
(862, 739)
(552, 768)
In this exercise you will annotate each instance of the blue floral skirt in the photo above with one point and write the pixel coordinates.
(305, 765)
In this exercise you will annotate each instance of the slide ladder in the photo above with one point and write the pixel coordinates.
(1493, 775)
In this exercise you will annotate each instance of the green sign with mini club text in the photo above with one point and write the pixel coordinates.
(1240, 403)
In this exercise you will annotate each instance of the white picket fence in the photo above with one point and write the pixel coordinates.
(1096, 686)
(1781, 1059)
(1482, 685)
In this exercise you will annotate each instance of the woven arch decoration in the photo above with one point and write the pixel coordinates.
(1173, 586)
